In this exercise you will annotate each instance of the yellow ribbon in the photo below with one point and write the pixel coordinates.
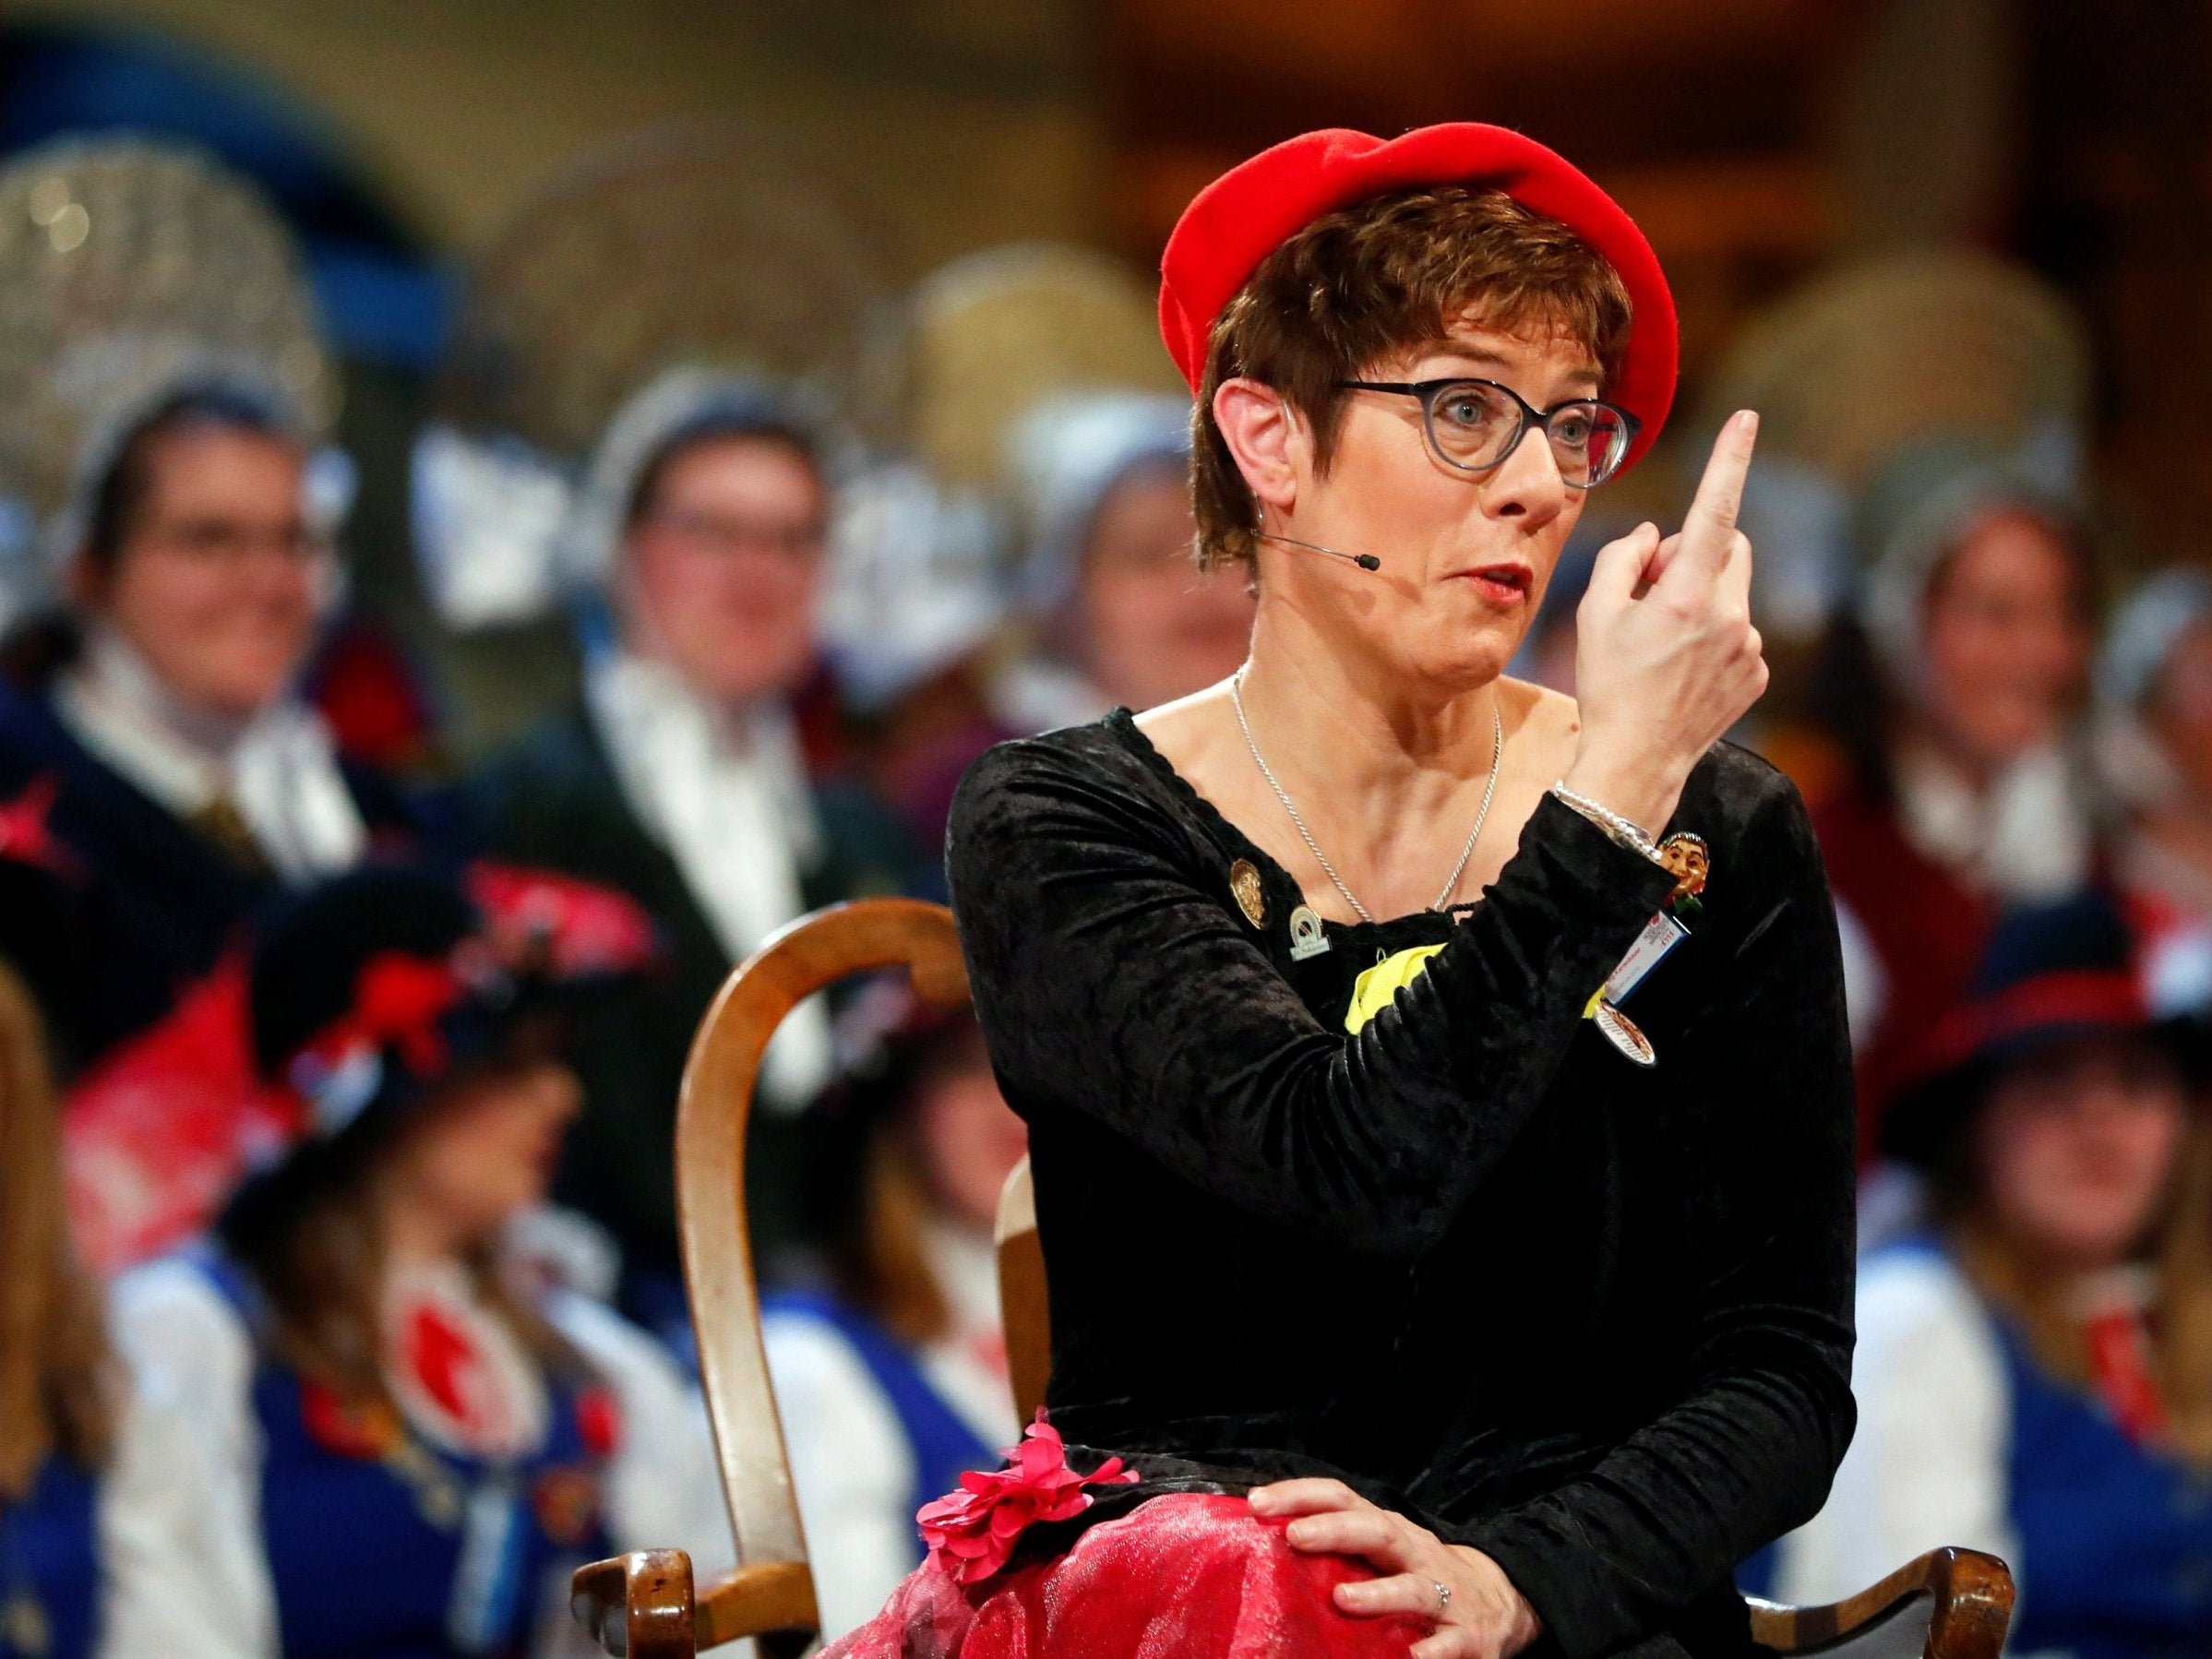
(1373, 991)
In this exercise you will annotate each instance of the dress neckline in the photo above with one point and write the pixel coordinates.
(1122, 724)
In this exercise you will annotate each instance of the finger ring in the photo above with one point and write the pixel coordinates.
(1444, 1598)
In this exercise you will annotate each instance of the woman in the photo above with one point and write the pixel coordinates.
(2154, 691)
(1124, 621)
(1434, 1316)
(59, 1397)
(194, 779)
(892, 1379)
(2035, 1368)
(1955, 694)
(683, 780)
(356, 1434)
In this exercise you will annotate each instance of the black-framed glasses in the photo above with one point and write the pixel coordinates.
(1473, 426)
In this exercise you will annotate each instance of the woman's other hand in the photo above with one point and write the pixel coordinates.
(1484, 1617)
(1666, 659)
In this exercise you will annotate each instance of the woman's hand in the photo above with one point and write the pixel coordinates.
(1484, 1617)
(1666, 659)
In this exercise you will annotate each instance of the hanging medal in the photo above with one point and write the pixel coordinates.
(1688, 861)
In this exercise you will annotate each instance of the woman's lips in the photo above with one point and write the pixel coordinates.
(1500, 584)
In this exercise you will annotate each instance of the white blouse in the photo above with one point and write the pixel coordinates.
(180, 1529)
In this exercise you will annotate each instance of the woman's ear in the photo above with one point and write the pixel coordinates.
(1267, 439)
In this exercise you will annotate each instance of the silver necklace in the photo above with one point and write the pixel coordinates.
(1306, 835)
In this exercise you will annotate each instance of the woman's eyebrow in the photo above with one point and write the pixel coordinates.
(1485, 358)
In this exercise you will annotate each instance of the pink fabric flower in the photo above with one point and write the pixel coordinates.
(971, 1533)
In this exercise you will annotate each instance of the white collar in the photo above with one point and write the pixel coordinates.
(2026, 836)
(278, 766)
(726, 792)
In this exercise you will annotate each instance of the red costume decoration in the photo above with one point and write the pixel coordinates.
(1250, 210)
(1234, 1590)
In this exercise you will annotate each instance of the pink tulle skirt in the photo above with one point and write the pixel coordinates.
(1184, 1576)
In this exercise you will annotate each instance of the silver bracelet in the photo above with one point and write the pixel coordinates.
(1623, 832)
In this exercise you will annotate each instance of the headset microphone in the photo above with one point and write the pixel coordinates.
(1366, 561)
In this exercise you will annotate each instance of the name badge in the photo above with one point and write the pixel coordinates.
(1660, 935)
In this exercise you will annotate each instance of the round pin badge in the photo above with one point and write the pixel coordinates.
(1624, 1035)
(1244, 886)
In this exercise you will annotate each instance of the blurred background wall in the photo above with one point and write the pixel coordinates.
(1755, 139)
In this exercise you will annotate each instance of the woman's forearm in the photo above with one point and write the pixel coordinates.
(1110, 983)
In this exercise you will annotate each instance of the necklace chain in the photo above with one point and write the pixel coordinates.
(1481, 815)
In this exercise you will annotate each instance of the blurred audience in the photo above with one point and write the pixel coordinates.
(358, 1433)
(893, 1379)
(679, 778)
(60, 1395)
(192, 779)
(2034, 1369)
(2154, 687)
(1109, 608)
(1953, 694)
(1123, 616)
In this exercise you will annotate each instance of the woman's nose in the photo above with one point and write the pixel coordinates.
(1526, 483)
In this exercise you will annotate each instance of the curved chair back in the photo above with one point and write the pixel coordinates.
(1021, 1306)
(867, 936)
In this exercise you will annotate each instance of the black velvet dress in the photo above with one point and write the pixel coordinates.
(1590, 1318)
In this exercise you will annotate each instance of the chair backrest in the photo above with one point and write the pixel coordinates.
(1021, 1306)
(867, 936)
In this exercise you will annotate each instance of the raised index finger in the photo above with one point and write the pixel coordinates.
(1711, 523)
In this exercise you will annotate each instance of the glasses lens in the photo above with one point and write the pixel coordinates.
(1473, 424)
(1588, 440)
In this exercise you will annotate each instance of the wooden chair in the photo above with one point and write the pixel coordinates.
(1952, 1604)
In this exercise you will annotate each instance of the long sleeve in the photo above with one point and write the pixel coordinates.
(185, 1576)
(1763, 1409)
(1085, 907)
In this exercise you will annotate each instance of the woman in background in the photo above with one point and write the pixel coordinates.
(60, 1395)
(894, 1380)
(2154, 689)
(683, 780)
(2034, 1371)
(194, 779)
(1125, 618)
(1954, 693)
(357, 1435)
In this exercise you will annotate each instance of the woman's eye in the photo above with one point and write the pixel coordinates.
(1464, 410)
(1573, 431)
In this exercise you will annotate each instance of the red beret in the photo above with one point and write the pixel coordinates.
(1253, 208)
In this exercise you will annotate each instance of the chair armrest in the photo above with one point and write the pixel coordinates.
(1950, 1604)
(772, 1601)
(638, 1605)
(642, 1605)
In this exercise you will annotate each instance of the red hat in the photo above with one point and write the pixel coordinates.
(1250, 210)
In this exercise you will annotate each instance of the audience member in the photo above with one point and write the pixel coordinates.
(59, 1393)
(1124, 616)
(2034, 1371)
(192, 780)
(679, 778)
(2154, 687)
(356, 1434)
(894, 1380)
(1952, 693)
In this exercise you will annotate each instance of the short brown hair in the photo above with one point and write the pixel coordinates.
(1384, 274)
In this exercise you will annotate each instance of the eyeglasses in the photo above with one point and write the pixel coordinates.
(722, 537)
(1473, 426)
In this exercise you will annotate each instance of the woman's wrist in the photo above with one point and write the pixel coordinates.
(1628, 787)
(1523, 1626)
